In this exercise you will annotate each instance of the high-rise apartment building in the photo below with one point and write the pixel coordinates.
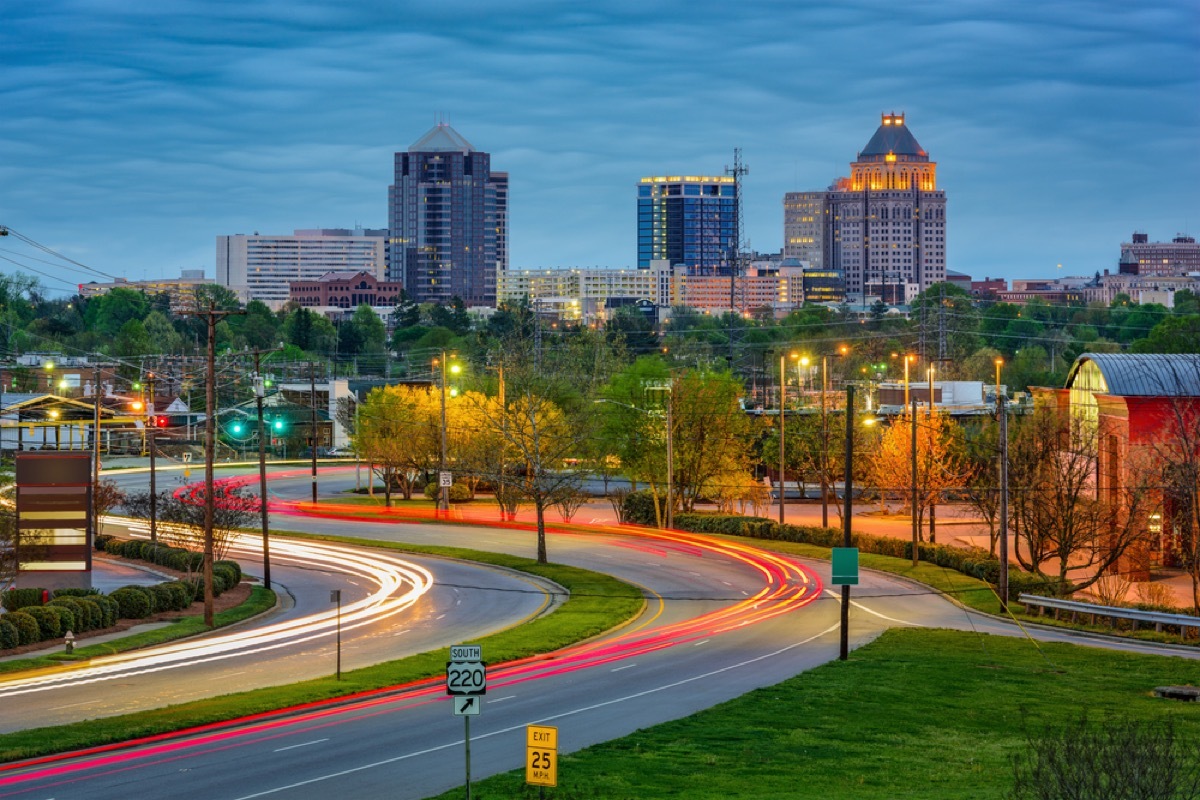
(883, 228)
(1177, 257)
(448, 215)
(690, 221)
(260, 267)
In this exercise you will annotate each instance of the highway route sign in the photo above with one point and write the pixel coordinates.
(541, 755)
(466, 705)
(466, 674)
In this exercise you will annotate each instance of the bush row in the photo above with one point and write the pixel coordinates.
(976, 562)
(28, 621)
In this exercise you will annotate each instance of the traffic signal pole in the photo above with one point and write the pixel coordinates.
(152, 422)
(260, 390)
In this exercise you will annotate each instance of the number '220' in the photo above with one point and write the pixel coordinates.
(465, 677)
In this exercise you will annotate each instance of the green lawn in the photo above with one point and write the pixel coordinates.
(916, 714)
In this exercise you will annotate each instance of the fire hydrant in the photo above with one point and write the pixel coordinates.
(70, 637)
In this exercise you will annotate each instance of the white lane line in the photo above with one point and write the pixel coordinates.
(492, 700)
(72, 705)
(305, 744)
(861, 607)
(702, 641)
(521, 727)
(618, 669)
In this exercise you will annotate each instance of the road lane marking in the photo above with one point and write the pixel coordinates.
(861, 607)
(71, 705)
(459, 742)
(702, 641)
(492, 700)
(305, 744)
(618, 669)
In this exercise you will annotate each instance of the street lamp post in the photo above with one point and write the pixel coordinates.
(782, 426)
(932, 500)
(1002, 413)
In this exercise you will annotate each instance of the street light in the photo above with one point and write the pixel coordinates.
(782, 412)
(670, 516)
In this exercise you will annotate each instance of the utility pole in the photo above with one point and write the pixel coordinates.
(782, 405)
(824, 445)
(849, 509)
(670, 460)
(152, 420)
(916, 525)
(312, 401)
(1003, 413)
(503, 443)
(212, 315)
(95, 448)
(932, 500)
(444, 491)
(260, 391)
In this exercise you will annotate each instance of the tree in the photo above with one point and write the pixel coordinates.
(309, 331)
(364, 337)
(1058, 517)
(712, 434)
(399, 432)
(181, 519)
(632, 425)
(107, 313)
(939, 461)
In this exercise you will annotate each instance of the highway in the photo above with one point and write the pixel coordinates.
(722, 620)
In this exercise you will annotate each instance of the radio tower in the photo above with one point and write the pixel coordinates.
(737, 246)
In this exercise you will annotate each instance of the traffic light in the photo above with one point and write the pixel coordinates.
(278, 425)
(237, 428)
(161, 422)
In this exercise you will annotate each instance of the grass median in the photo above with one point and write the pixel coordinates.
(928, 714)
(597, 603)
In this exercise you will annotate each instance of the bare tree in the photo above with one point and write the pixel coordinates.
(1062, 521)
(182, 518)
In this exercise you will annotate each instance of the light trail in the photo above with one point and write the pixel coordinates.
(399, 584)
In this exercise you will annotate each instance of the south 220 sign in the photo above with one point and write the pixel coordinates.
(466, 674)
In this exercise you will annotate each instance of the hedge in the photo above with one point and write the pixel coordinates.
(48, 621)
(28, 631)
(973, 561)
(638, 508)
(80, 619)
(21, 598)
(133, 603)
(9, 637)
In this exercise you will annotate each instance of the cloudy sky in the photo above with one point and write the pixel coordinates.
(133, 133)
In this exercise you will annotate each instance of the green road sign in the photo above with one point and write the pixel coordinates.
(845, 566)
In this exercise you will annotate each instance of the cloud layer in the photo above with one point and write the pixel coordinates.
(132, 134)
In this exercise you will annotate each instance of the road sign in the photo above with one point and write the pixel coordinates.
(466, 674)
(445, 480)
(845, 566)
(466, 706)
(541, 755)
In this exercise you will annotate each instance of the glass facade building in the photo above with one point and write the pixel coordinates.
(688, 220)
(448, 220)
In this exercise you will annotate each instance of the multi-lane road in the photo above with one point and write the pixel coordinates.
(720, 620)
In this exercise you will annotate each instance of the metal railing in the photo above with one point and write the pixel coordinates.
(1112, 613)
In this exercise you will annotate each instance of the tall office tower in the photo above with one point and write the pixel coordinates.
(448, 217)
(883, 228)
(688, 220)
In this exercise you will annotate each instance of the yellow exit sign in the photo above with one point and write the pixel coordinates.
(541, 755)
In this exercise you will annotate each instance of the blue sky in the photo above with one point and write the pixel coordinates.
(133, 133)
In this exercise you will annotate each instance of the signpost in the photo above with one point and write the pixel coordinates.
(466, 682)
(541, 755)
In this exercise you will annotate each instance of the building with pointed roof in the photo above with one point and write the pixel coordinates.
(448, 220)
(883, 228)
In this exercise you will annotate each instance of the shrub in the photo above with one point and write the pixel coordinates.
(66, 618)
(638, 508)
(234, 566)
(113, 545)
(165, 599)
(48, 621)
(92, 611)
(80, 619)
(28, 631)
(109, 610)
(132, 602)
(100, 540)
(22, 598)
(231, 576)
(71, 592)
(9, 638)
(459, 492)
(182, 594)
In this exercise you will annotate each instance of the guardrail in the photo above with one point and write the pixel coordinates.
(1113, 613)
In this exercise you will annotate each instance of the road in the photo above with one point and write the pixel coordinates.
(724, 620)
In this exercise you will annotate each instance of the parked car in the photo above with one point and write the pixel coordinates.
(340, 452)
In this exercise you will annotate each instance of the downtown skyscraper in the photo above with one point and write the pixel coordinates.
(688, 220)
(448, 221)
(883, 228)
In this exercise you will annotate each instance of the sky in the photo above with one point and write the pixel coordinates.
(133, 133)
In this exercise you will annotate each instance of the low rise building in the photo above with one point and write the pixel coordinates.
(181, 290)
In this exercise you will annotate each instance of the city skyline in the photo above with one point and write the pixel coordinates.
(132, 139)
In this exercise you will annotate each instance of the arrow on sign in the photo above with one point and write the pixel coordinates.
(466, 706)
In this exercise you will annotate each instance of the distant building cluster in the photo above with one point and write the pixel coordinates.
(876, 236)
